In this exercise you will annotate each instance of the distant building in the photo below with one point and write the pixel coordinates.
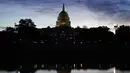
(63, 19)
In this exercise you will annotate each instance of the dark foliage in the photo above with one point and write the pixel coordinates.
(25, 41)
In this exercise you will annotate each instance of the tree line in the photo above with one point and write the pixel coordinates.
(25, 41)
(26, 33)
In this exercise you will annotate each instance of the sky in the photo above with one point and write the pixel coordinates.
(90, 13)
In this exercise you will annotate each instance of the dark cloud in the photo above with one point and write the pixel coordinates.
(109, 7)
(106, 6)
(30, 2)
(118, 8)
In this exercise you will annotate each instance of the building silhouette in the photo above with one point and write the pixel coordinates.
(63, 19)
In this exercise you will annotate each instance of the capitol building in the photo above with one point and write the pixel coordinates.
(63, 19)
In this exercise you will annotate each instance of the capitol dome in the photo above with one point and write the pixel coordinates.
(63, 18)
(63, 15)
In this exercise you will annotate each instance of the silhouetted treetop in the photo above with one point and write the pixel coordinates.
(123, 28)
(104, 28)
(28, 33)
(10, 29)
(26, 23)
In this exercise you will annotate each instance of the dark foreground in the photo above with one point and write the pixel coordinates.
(25, 45)
(93, 59)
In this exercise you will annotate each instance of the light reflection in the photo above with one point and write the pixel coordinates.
(114, 70)
(43, 66)
(20, 39)
(81, 65)
(35, 66)
(56, 65)
(81, 42)
(74, 65)
(20, 66)
(99, 65)
(111, 70)
(18, 71)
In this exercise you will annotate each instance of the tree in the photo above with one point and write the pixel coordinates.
(26, 29)
(78, 27)
(103, 28)
(26, 23)
(10, 29)
(123, 33)
(85, 27)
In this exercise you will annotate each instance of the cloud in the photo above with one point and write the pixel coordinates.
(117, 9)
(109, 7)
(82, 12)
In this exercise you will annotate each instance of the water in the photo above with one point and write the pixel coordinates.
(78, 71)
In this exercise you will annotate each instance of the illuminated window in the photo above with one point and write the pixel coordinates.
(56, 39)
(56, 66)
(81, 42)
(62, 31)
(63, 23)
(42, 42)
(15, 31)
(74, 65)
(51, 35)
(62, 34)
(95, 41)
(81, 65)
(20, 39)
(13, 42)
(18, 71)
(35, 66)
(99, 40)
(35, 42)
(114, 70)
(43, 66)
(20, 66)
(56, 43)
(70, 37)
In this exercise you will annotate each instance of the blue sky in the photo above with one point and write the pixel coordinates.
(44, 13)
